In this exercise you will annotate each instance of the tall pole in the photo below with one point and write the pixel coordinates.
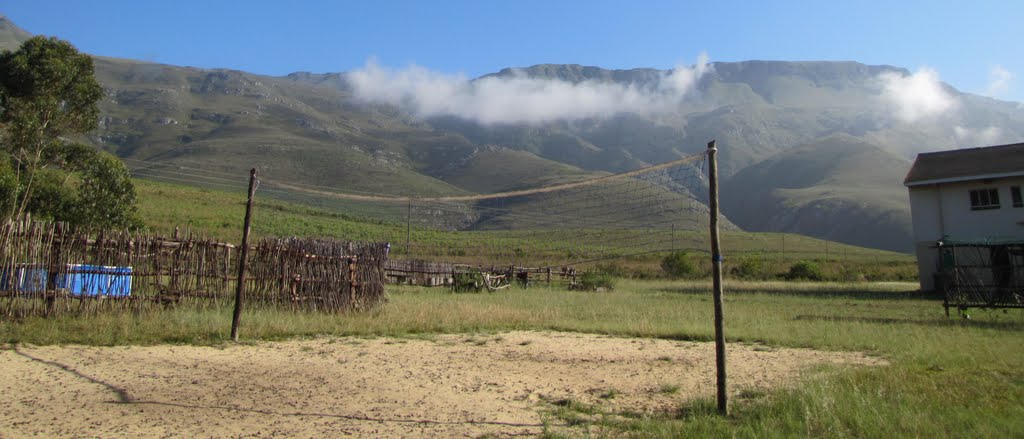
(242, 257)
(673, 237)
(408, 230)
(716, 272)
(783, 247)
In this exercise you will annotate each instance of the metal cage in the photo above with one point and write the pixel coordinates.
(987, 274)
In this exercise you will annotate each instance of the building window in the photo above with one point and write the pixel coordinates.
(982, 199)
(1015, 196)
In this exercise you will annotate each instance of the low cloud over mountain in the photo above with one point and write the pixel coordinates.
(918, 96)
(520, 98)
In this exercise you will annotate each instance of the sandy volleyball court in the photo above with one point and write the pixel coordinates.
(447, 386)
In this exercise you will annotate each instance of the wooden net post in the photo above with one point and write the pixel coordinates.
(716, 271)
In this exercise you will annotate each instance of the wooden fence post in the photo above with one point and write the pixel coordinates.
(242, 255)
(716, 269)
(227, 267)
(353, 283)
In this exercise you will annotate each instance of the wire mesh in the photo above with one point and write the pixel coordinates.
(655, 209)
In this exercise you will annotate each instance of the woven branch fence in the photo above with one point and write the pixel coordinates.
(317, 274)
(47, 269)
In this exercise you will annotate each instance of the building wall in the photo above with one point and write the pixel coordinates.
(944, 210)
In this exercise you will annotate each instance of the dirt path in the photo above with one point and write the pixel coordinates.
(449, 386)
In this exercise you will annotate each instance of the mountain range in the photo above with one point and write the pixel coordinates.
(816, 148)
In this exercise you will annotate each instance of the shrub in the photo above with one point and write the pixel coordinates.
(750, 268)
(678, 264)
(472, 281)
(805, 270)
(851, 274)
(594, 279)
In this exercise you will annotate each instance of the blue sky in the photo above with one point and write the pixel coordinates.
(971, 45)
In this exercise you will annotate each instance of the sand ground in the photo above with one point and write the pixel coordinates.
(445, 386)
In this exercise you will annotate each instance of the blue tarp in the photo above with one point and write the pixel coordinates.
(96, 280)
(78, 279)
(24, 278)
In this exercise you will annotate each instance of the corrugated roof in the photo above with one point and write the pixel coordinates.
(967, 164)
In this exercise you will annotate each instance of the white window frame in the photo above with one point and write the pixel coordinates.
(984, 199)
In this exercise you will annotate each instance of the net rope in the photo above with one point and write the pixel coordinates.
(659, 208)
(649, 210)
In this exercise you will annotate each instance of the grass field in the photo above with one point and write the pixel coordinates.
(948, 377)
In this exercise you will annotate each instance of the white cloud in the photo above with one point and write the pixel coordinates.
(519, 99)
(985, 136)
(999, 80)
(917, 96)
(682, 79)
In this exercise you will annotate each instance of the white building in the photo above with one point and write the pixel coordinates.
(965, 195)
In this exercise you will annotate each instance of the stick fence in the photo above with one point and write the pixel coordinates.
(48, 269)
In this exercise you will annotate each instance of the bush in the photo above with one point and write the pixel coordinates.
(750, 268)
(472, 282)
(594, 279)
(678, 264)
(805, 270)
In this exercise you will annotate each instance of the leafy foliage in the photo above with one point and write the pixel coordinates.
(805, 270)
(750, 268)
(106, 194)
(468, 282)
(98, 193)
(678, 264)
(48, 93)
(594, 279)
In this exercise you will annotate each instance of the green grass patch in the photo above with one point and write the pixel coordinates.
(668, 389)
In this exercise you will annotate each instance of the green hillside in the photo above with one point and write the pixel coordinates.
(832, 188)
(229, 121)
(11, 36)
(497, 169)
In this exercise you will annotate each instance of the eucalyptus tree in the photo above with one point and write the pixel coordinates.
(48, 96)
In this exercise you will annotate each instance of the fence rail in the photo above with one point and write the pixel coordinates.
(426, 273)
